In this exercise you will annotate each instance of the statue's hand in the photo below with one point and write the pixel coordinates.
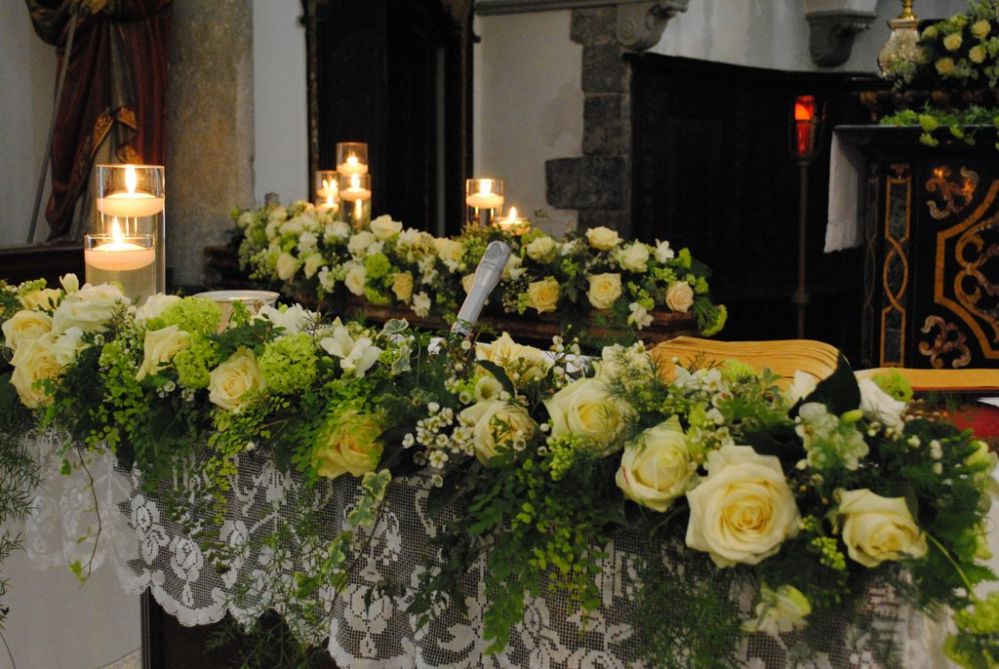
(91, 6)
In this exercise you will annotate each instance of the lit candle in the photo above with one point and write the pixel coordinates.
(129, 203)
(804, 118)
(513, 224)
(329, 193)
(484, 198)
(352, 165)
(118, 255)
(355, 192)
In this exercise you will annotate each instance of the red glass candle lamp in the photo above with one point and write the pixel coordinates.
(806, 124)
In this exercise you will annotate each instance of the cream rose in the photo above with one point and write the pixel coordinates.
(286, 266)
(159, 348)
(585, 409)
(384, 228)
(348, 445)
(604, 290)
(952, 42)
(877, 528)
(944, 66)
(657, 468)
(779, 611)
(680, 297)
(33, 363)
(497, 426)
(543, 295)
(977, 54)
(89, 308)
(154, 306)
(234, 382)
(359, 243)
(45, 298)
(355, 278)
(542, 249)
(602, 239)
(743, 510)
(516, 359)
(24, 327)
(980, 29)
(634, 257)
(402, 286)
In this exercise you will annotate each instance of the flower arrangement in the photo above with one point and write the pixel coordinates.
(803, 495)
(310, 253)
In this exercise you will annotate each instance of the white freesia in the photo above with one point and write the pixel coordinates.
(154, 306)
(663, 252)
(743, 510)
(69, 282)
(293, 319)
(639, 316)
(356, 355)
(384, 228)
(526, 362)
(879, 405)
(779, 611)
(89, 308)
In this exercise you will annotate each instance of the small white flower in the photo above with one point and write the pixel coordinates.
(936, 451)
(663, 252)
(421, 304)
(639, 316)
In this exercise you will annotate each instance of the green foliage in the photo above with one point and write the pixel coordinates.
(949, 126)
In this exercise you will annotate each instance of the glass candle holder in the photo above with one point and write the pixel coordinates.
(351, 158)
(513, 223)
(126, 259)
(134, 197)
(327, 191)
(355, 200)
(483, 200)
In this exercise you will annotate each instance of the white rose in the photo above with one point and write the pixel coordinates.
(356, 278)
(35, 362)
(877, 528)
(44, 298)
(585, 409)
(159, 348)
(634, 257)
(312, 264)
(402, 286)
(526, 361)
(680, 297)
(497, 426)
(154, 306)
(89, 308)
(384, 228)
(743, 510)
(879, 405)
(450, 252)
(542, 249)
(307, 243)
(542, 296)
(602, 239)
(657, 468)
(604, 290)
(286, 267)
(236, 381)
(67, 345)
(293, 319)
(512, 269)
(421, 304)
(24, 327)
(359, 243)
(336, 230)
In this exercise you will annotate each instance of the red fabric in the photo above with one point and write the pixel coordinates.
(981, 418)
(138, 30)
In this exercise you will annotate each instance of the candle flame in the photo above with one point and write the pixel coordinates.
(355, 179)
(485, 186)
(512, 216)
(329, 186)
(116, 233)
(131, 178)
(329, 199)
(352, 160)
(804, 108)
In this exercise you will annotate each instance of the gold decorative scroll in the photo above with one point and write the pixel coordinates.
(956, 196)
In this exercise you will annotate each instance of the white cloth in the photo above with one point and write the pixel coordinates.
(846, 167)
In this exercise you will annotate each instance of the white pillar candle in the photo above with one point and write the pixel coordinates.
(130, 203)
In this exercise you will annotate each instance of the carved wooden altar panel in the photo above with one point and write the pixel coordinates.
(932, 231)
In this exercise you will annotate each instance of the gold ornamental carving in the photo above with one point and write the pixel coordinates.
(948, 341)
(895, 266)
(956, 195)
(971, 292)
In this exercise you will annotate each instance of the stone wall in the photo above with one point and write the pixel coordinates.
(210, 148)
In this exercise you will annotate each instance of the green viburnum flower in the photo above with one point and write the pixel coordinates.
(194, 364)
(377, 265)
(829, 441)
(288, 364)
(976, 644)
(894, 384)
(192, 314)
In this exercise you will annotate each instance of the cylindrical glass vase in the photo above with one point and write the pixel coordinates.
(355, 200)
(483, 200)
(126, 259)
(327, 194)
(351, 158)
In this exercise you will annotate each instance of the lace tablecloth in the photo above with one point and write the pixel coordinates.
(369, 628)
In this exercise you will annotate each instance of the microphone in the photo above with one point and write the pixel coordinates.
(487, 275)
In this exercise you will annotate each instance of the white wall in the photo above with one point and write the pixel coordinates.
(528, 105)
(27, 85)
(281, 151)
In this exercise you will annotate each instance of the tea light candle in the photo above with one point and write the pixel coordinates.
(355, 192)
(484, 197)
(129, 203)
(118, 255)
(328, 194)
(352, 165)
(513, 224)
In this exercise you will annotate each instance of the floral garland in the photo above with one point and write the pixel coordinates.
(804, 494)
(312, 254)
